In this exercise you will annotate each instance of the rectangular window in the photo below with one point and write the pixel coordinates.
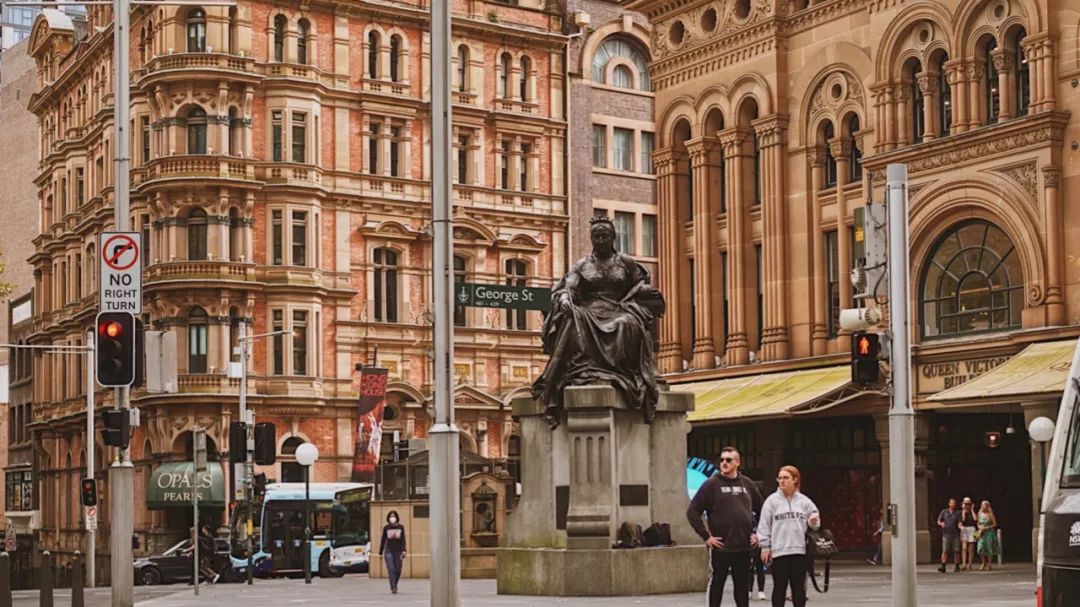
(197, 348)
(145, 122)
(623, 149)
(277, 237)
(78, 277)
(693, 299)
(759, 279)
(526, 151)
(373, 149)
(299, 238)
(832, 293)
(648, 235)
(300, 341)
(647, 143)
(504, 159)
(386, 287)
(279, 342)
(144, 224)
(275, 130)
(395, 149)
(624, 230)
(516, 271)
(599, 145)
(459, 280)
(299, 137)
(726, 289)
(80, 186)
(463, 159)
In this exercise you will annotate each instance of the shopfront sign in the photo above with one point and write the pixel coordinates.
(935, 377)
(172, 484)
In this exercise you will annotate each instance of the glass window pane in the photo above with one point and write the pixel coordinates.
(624, 229)
(623, 149)
(646, 153)
(599, 145)
(648, 235)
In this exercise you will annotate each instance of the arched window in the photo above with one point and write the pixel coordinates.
(944, 97)
(196, 235)
(516, 272)
(232, 30)
(1023, 74)
(829, 133)
(302, 41)
(972, 282)
(459, 277)
(990, 84)
(291, 471)
(386, 284)
(395, 58)
(916, 107)
(463, 68)
(621, 76)
(197, 339)
(196, 30)
(196, 131)
(374, 41)
(505, 63)
(855, 165)
(523, 80)
(279, 38)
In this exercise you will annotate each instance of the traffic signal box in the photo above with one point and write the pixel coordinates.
(865, 348)
(116, 336)
(89, 492)
(116, 427)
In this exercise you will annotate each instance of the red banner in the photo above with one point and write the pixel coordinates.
(369, 421)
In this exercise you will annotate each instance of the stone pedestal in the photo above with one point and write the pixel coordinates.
(602, 466)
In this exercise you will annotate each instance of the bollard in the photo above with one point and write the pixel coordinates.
(46, 595)
(5, 580)
(77, 580)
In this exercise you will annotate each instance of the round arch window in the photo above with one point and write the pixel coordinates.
(972, 282)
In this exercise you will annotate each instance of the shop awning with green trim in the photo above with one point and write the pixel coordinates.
(1038, 372)
(171, 485)
(769, 395)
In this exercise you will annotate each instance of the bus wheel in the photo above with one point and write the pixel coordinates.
(325, 570)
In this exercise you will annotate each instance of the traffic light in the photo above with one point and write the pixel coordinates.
(865, 348)
(89, 492)
(115, 349)
(237, 442)
(116, 427)
(265, 443)
(259, 484)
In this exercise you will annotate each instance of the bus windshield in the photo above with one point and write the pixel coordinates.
(1070, 475)
(351, 525)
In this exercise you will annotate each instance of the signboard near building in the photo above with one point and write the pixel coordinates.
(932, 378)
(502, 296)
(121, 272)
(370, 405)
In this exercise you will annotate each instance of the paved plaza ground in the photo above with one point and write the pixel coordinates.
(862, 586)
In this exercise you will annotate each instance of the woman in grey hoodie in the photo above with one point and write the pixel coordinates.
(781, 532)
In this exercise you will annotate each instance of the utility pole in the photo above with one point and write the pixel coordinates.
(91, 534)
(443, 481)
(249, 447)
(901, 414)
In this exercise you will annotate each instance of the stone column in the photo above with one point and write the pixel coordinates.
(928, 86)
(774, 338)
(670, 357)
(1046, 65)
(1004, 63)
(1054, 247)
(902, 94)
(1031, 411)
(704, 353)
(841, 151)
(922, 530)
(972, 72)
(954, 70)
(819, 333)
(734, 141)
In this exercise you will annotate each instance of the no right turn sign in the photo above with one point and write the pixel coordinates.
(121, 272)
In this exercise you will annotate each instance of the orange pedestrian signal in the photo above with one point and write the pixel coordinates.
(865, 348)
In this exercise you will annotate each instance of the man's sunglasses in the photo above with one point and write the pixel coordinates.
(729, 460)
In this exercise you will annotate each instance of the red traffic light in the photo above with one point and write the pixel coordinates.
(111, 329)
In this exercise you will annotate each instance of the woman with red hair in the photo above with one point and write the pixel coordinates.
(785, 516)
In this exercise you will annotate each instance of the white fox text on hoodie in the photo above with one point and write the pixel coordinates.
(783, 523)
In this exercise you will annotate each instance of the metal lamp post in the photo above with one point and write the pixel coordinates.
(1041, 431)
(306, 455)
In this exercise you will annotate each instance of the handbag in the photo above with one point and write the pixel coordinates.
(978, 534)
(820, 543)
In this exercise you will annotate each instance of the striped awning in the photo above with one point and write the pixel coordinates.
(769, 395)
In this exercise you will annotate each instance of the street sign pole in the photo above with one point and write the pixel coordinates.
(444, 482)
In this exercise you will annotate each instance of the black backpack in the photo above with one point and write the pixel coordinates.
(629, 536)
(820, 544)
(658, 534)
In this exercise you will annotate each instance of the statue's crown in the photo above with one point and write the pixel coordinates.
(600, 219)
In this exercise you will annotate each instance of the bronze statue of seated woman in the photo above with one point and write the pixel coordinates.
(599, 330)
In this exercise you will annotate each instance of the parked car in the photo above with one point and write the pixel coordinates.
(174, 565)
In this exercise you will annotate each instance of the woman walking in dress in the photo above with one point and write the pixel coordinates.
(988, 545)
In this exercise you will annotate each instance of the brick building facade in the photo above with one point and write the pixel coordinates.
(280, 179)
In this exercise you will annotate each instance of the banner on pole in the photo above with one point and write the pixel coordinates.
(369, 421)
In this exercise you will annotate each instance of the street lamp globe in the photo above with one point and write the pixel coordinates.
(1041, 429)
(306, 454)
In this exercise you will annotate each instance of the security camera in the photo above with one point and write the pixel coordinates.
(859, 319)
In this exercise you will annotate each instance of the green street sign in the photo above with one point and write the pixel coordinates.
(502, 296)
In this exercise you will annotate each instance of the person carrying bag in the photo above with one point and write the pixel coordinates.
(782, 533)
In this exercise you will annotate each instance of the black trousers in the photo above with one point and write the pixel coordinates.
(757, 570)
(738, 563)
(791, 570)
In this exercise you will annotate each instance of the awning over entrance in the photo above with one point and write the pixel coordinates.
(171, 485)
(1039, 371)
(769, 395)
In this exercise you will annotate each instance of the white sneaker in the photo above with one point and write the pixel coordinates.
(761, 596)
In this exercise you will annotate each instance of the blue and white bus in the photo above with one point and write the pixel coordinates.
(340, 533)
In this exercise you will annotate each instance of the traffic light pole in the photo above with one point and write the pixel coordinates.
(901, 414)
(91, 534)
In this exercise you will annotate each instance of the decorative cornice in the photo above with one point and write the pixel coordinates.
(1024, 174)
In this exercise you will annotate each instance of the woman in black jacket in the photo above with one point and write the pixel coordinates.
(392, 548)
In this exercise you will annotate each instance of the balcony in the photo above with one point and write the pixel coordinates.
(385, 87)
(207, 383)
(509, 200)
(201, 271)
(186, 66)
(183, 168)
(291, 174)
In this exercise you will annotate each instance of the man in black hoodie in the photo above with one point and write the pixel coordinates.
(728, 500)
